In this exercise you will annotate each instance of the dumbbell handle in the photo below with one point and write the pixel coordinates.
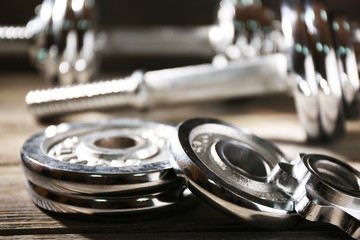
(159, 40)
(169, 40)
(14, 40)
(126, 41)
(258, 76)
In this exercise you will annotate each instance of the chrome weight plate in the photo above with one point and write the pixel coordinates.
(98, 205)
(349, 74)
(332, 116)
(330, 192)
(114, 156)
(301, 65)
(232, 169)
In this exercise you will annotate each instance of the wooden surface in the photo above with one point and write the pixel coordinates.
(272, 117)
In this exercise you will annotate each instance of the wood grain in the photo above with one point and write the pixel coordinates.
(19, 218)
(271, 117)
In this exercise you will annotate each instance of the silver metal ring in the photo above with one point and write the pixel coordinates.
(119, 155)
(231, 169)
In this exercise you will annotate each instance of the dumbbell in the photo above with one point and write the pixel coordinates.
(314, 78)
(65, 44)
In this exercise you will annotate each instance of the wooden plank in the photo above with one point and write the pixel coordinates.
(19, 216)
(236, 235)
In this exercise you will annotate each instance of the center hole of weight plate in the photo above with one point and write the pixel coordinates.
(337, 174)
(243, 158)
(116, 142)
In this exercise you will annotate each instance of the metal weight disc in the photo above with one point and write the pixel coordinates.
(232, 169)
(65, 37)
(349, 74)
(114, 156)
(332, 116)
(305, 88)
(331, 193)
(98, 205)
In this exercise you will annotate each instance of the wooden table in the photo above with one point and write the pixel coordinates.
(271, 117)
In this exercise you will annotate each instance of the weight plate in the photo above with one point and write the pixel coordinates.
(114, 156)
(331, 193)
(332, 116)
(95, 205)
(305, 89)
(349, 73)
(232, 169)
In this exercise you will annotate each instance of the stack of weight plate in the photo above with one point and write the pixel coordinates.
(122, 166)
(118, 166)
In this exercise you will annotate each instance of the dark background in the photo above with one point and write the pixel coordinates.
(185, 12)
(142, 12)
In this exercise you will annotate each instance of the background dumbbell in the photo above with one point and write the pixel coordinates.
(312, 62)
(65, 43)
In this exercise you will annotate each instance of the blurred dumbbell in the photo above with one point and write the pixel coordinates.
(64, 42)
(312, 65)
